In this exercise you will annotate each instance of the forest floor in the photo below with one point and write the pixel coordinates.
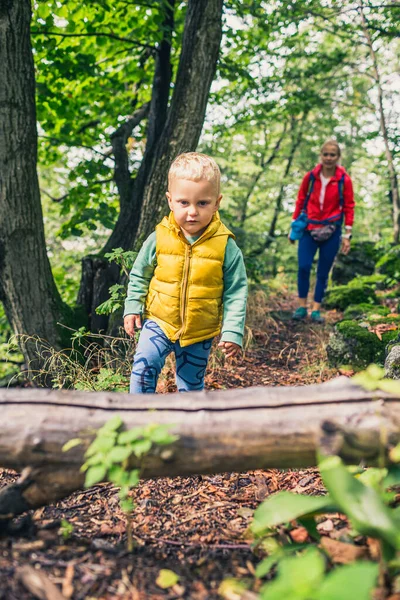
(194, 526)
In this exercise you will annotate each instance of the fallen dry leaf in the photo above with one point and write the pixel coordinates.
(38, 583)
(299, 535)
(343, 553)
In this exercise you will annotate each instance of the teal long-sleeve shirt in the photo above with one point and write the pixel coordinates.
(235, 287)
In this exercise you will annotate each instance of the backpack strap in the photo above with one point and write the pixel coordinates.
(335, 218)
(341, 191)
(311, 182)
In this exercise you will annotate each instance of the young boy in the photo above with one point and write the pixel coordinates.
(188, 282)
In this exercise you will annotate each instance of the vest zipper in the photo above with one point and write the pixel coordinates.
(185, 282)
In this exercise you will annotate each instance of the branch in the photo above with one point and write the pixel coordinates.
(264, 163)
(97, 34)
(119, 138)
(71, 144)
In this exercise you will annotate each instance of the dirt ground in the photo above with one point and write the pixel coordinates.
(194, 526)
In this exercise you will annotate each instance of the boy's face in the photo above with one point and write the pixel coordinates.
(193, 204)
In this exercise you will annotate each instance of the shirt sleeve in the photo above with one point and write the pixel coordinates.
(140, 277)
(235, 295)
(348, 202)
(301, 196)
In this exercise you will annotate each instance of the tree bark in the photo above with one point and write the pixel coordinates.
(235, 430)
(27, 288)
(197, 65)
(182, 128)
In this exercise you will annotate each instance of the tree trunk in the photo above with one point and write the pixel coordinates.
(27, 289)
(235, 430)
(197, 65)
(394, 186)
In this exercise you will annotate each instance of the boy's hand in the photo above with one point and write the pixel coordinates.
(130, 322)
(230, 349)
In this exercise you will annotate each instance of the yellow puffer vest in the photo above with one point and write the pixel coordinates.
(185, 293)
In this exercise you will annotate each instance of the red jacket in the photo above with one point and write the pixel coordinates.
(331, 204)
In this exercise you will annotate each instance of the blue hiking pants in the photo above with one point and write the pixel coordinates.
(327, 252)
(152, 350)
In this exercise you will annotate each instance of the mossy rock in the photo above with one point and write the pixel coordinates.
(363, 310)
(389, 264)
(357, 291)
(361, 260)
(352, 344)
(392, 363)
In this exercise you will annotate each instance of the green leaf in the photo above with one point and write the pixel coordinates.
(117, 474)
(286, 506)
(141, 447)
(161, 435)
(350, 582)
(362, 504)
(119, 453)
(95, 475)
(71, 444)
(102, 443)
(298, 577)
(127, 505)
(126, 437)
(166, 579)
(134, 478)
(113, 424)
(264, 567)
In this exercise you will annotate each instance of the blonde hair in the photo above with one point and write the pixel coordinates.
(331, 143)
(195, 167)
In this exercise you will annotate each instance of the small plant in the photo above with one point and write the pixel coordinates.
(66, 529)
(367, 497)
(108, 458)
(117, 291)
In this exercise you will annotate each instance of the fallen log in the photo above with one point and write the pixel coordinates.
(233, 430)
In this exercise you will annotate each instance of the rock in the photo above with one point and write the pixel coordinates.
(392, 363)
(351, 344)
(360, 261)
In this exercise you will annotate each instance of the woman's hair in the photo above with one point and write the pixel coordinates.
(195, 167)
(331, 143)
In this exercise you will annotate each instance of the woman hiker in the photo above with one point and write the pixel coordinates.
(326, 196)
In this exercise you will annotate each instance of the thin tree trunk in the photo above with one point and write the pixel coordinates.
(235, 430)
(394, 186)
(296, 131)
(264, 163)
(27, 289)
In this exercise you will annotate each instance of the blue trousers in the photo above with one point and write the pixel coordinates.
(327, 252)
(152, 350)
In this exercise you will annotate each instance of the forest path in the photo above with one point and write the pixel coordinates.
(194, 526)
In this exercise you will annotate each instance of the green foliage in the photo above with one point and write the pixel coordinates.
(105, 380)
(109, 457)
(123, 258)
(117, 292)
(362, 495)
(360, 290)
(389, 265)
(285, 507)
(360, 311)
(66, 529)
